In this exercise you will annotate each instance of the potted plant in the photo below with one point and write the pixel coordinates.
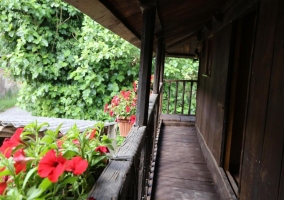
(123, 108)
(43, 166)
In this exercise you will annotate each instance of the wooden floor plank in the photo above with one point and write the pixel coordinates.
(181, 171)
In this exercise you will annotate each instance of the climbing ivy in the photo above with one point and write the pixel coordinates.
(68, 64)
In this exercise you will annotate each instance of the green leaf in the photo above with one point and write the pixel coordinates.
(29, 174)
(33, 192)
(70, 179)
(5, 172)
(46, 183)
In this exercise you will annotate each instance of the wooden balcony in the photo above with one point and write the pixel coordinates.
(181, 171)
(160, 161)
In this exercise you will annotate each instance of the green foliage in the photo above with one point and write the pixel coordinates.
(9, 100)
(180, 69)
(70, 66)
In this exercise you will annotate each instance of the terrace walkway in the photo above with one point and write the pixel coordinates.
(181, 171)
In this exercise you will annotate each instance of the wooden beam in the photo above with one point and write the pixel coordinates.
(157, 73)
(147, 39)
(179, 55)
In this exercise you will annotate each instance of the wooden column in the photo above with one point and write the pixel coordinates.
(147, 39)
(157, 73)
(162, 63)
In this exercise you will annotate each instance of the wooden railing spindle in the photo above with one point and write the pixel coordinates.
(190, 96)
(187, 92)
(182, 103)
(169, 97)
(176, 97)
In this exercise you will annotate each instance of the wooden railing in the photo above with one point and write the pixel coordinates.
(179, 97)
(128, 173)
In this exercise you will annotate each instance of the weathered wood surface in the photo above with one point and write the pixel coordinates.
(111, 182)
(145, 66)
(181, 171)
(264, 130)
(158, 64)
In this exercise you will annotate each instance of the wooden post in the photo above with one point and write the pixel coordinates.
(157, 73)
(162, 64)
(147, 39)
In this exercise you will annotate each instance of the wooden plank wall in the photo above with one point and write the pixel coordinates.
(262, 171)
(211, 93)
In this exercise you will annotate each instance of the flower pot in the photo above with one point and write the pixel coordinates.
(124, 127)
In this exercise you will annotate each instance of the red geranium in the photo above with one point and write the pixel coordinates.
(102, 149)
(122, 105)
(132, 119)
(51, 166)
(76, 165)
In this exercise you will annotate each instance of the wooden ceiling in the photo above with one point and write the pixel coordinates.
(177, 21)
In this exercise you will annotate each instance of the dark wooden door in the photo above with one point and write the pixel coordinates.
(239, 74)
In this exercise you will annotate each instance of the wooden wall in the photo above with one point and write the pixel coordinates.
(263, 159)
(211, 91)
(262, 168)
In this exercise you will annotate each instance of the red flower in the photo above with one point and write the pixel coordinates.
(76, 142)
(111, 113)
(93, 134)
(134, 86)
(127, 109)
(20, 161)
(59, 143)
(102, 149)
(3, 184)
(115, 100)
(125, 94)
(91, 198)
(76, 165)
(10, 143)
(132, 119)
(51, 166)
(106, 108)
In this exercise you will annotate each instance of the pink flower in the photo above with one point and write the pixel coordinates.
(51, 166)
(106, 108)
(102, 149)
(59, 143)
(76, 142)
(10, 143)
(111, 113)
(20, 161)
(134, 86)
(115, 100)
(127, 109)
(132, 119)
(93, 134)
(76, 165)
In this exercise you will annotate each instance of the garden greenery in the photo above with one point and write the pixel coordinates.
(69, 65)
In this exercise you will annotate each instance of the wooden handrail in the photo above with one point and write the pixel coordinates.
(187, 88)
(126, 176)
